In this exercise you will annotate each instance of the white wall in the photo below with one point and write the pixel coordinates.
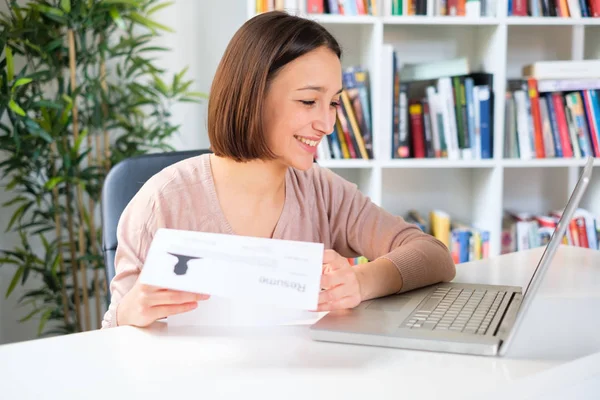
(203, 29)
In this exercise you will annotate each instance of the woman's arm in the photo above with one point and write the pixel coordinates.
(402, 257)
(134, 235)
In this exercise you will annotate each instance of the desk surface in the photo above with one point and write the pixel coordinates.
(283, 362)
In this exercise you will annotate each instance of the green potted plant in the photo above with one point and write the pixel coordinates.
(79, 92)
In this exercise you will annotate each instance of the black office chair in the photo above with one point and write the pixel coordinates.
(122, 182)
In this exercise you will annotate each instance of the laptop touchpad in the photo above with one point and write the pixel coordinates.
(390, 303)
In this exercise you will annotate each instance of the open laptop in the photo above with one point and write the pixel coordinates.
(449, 317)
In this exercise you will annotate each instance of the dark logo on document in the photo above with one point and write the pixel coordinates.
(182, 260)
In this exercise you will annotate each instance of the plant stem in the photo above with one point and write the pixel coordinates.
(74, 262)
(105, 113)
(58, 229)
(82, 265)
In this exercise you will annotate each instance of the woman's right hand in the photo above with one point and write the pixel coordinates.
(144, 304)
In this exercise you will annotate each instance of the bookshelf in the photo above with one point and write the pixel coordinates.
(474, 192)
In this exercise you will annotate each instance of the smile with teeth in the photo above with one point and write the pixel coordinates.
(311, 143)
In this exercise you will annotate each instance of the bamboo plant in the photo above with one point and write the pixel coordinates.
(79, 92)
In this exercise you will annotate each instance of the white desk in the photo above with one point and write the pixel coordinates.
(283, 362)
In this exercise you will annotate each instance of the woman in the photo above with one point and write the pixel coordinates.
(272, 101)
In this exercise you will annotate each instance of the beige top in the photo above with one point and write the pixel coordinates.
(320, 206)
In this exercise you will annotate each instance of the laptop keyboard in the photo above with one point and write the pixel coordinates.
(458, 310)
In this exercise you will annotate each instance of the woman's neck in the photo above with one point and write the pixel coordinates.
(261, 180)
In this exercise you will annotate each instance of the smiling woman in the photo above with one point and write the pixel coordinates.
(276, 98)
(273, 99)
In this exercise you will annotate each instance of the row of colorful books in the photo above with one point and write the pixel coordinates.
(522, 231)
(338, 7)
(343, 7)
(352, 134)
(552, 119)
(471, 8)
(466, 243)
(554, 8)
(441, 117)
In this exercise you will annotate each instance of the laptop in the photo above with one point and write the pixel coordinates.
(449, 317)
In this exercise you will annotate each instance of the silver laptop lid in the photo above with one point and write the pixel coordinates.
(548, 254)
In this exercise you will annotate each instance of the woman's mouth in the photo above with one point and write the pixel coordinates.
(312, 143)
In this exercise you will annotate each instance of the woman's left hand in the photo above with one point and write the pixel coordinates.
(340, 282)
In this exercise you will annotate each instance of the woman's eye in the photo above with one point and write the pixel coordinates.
(307, 102)
(335, 103)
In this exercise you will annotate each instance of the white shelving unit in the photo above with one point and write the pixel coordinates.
(475, 192)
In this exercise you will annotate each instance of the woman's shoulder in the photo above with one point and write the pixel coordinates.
(188, 178)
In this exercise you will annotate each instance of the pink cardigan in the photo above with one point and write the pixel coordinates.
(320, 206)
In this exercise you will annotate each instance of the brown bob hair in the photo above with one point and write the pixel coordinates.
(257, 51)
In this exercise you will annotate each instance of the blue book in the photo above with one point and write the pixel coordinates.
(554, 125)
(485, 118)
(595, 105)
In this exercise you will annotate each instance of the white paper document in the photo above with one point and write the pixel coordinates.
(220, 311)
(275, 273)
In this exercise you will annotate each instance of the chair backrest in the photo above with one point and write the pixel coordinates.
(122, 182)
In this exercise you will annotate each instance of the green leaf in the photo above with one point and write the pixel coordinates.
(116, 16)
(43, 320)
(16, 108)
(34, 293)
(55, 265)
(53, 182)
(18, 214)
(196, 94)
(30, 315)
(20, 82)
(188, 100)
(159, 6)
(49, 10)
(14, 201)
(82, 136)
(10, 66)
(148, 22)
(66, 5)
(36, 130)
(161, 85)
(48, 104)
(154, 48)
(14, 281)
(135, 3)
(177, 78)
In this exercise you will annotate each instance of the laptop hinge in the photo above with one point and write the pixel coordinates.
(510, 314)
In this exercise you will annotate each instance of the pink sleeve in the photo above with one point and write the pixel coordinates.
(360, 227)
(135, 231)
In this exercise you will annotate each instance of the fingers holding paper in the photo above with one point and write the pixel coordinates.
(144, 304)
(340, 283)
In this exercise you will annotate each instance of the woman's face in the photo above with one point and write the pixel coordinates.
(300, 108)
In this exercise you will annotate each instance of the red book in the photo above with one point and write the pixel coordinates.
(314, 6)
(537, 118)
(594, 7)
(519, 8)
(581, 231)
(563, 128)
(452, 7)
(417, 131)
(546, 221)
(346, 130)
(574, 229)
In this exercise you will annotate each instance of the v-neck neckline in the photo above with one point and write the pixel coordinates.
(217, 210)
